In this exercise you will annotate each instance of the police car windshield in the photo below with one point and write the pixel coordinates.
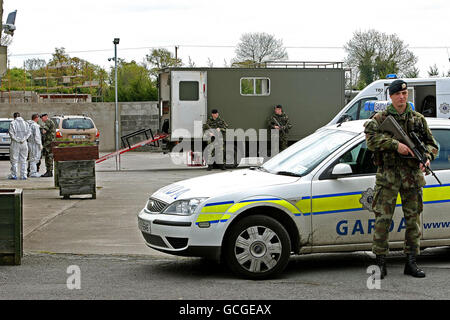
(306, 154)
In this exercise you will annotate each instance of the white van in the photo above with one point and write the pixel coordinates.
(430, 96)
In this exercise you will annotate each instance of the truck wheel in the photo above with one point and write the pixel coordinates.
(257, 247)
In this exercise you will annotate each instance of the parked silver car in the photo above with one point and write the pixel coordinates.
(5, 140)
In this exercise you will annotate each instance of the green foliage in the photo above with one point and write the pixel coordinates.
(373, 55)
(433, 71)
(161, 58)
(65, 74)
(134, 83)
(76, 144)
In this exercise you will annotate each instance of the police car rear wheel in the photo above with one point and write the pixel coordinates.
(257, 247)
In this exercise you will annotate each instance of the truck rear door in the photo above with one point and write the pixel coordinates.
(188, 103)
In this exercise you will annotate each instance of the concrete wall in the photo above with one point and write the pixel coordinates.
(138, 115)
(133, 116)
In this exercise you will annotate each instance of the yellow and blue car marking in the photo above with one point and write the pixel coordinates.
(347, 202)
(216, 212)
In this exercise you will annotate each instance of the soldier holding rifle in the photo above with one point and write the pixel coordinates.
(399, 171)
(280, 121)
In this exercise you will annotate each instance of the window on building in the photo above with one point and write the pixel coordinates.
(255, 86)
(188, 91)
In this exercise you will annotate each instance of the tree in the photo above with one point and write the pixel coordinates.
(34, 64)
(134, 83)
(210, 63)
(259, 47)
(412, 73)
(373, 55)
(191, 63)
(433, 71)
(161, 58)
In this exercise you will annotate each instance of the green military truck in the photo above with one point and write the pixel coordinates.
(311, 93)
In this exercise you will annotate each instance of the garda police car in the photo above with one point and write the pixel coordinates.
(313, 197)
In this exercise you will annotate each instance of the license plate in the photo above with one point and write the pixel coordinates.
(144, 226)
(78, 137)
(6, 140)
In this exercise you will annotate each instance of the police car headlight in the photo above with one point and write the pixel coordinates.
(184, 207)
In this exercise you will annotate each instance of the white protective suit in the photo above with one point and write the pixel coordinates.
(34, 148)
(19, 131)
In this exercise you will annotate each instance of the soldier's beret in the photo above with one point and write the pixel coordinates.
(396, 86)
(214, 111)
(279, 106)
(43, 115)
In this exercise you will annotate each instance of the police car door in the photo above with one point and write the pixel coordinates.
(341, 204)
(188, 105)
(436, 198)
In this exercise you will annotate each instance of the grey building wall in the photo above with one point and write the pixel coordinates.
(133, 116)
(136, 116)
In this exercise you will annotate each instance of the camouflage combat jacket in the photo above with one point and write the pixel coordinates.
(214, 124)
(50, 133)
(391, 165)
(282, 121)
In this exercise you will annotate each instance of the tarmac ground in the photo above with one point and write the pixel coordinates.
(106, 225)
(101, 237)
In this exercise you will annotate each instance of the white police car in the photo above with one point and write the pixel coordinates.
(313, 197)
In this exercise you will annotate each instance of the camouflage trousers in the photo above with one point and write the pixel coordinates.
(384, 203)
(215, 152)
(48, 155)
(283, 142)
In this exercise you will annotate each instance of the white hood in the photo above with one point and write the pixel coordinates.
(220, 184)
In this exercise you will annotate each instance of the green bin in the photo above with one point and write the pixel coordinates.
(11, 226)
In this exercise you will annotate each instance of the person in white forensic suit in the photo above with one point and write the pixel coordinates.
(19, 131)
(34, 145)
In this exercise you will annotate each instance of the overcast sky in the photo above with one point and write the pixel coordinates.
(311, 30)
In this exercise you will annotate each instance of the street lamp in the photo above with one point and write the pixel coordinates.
(116, 42)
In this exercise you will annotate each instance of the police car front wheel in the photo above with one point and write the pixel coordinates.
(257, 247)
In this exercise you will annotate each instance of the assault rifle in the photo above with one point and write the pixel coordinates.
(414, 143)
(283, 129)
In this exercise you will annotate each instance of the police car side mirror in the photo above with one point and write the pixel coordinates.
(341, 169)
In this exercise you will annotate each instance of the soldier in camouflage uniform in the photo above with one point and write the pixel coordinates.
(48, 131)
(216, 128)
(398, 172)
(280, 121)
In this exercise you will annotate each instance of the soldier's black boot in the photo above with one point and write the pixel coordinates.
(411, 267)
(222, 167)
(48, 174)
(381, 263)
(209, 168)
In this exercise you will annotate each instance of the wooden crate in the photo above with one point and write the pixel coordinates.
(76, 177)
(11, 226)
(75, 153)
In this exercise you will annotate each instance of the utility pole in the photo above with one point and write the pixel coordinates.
(1, 18)
(3, 51)
(116, 42)
(176, 53)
